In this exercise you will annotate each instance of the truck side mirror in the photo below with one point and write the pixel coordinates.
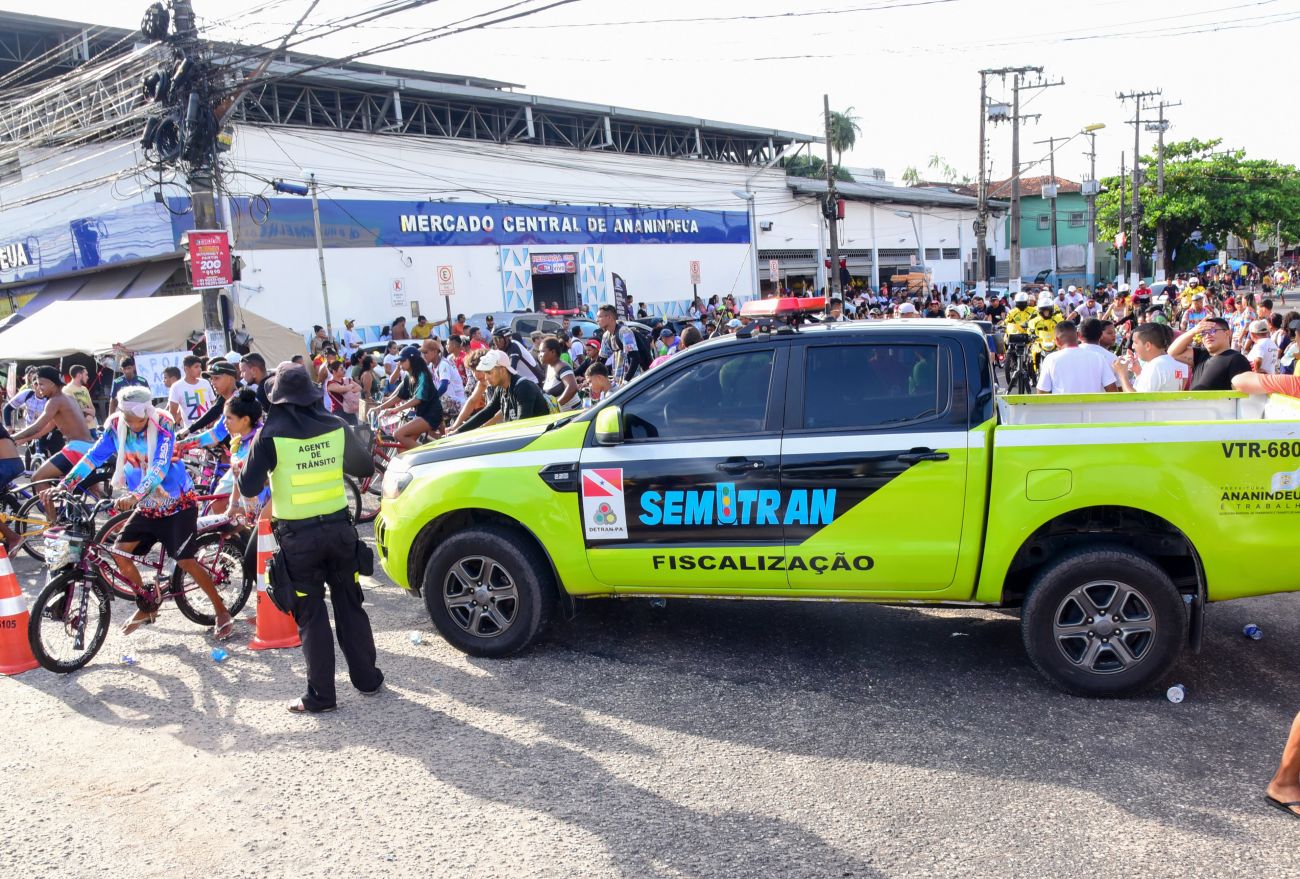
(609, 426)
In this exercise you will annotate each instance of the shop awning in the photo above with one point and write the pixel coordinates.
(135, 281)
(54, 291)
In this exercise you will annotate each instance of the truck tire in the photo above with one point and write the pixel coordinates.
(488, 592)
(1103, 621)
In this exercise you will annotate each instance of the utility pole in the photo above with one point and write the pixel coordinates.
(831, 208)
(1159, 269)
(1091, 270)
(201, 166)
(1121, 263)
(1135, 238)
(982, 198)
(1017, 86)
(1051, 163)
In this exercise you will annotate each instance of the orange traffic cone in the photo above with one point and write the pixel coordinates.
(15, 653)
(275, 628)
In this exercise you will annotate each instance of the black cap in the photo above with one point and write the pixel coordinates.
(293, 386)
(222, 367)
(501, 332)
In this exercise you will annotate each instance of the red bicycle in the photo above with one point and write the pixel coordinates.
(70, 619)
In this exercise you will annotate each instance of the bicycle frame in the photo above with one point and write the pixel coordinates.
(97, 561)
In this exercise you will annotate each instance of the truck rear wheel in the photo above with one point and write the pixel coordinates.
(488, 592)
(1103, 621)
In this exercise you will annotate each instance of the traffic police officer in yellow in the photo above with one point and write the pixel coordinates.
(304, 452)
(1018, 318)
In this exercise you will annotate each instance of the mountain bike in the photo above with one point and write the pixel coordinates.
(70, 618)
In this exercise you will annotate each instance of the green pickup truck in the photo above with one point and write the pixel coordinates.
(869, 462)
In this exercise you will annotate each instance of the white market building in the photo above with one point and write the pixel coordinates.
(527, 200)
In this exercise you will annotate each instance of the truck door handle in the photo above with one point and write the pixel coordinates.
(917, 455)
(740, 465)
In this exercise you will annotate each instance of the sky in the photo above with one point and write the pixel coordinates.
(908, 68)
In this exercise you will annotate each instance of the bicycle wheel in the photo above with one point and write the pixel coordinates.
(222, 555)
(1024, 378)
(68, 622)
(354, 499)
(148, 564)
(31, 524)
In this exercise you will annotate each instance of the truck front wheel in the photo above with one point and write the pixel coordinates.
(488, 592)
(1103, 621)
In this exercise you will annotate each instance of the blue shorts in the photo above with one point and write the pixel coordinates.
(10, 469)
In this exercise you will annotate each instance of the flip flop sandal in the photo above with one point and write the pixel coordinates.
(1285, 807)
(299, 708)
(137, 622)
(225, 630)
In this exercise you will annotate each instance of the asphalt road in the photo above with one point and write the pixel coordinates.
(700, 739)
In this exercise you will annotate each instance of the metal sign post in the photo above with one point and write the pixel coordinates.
(447, 289)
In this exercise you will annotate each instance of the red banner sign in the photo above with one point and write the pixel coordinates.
(210, 259)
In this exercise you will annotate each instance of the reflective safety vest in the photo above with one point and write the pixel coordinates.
(308, 477)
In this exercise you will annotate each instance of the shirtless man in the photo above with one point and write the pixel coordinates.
(62, 414)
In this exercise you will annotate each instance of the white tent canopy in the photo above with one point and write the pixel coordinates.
(155, 325)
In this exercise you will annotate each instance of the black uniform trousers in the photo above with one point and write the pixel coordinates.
(316, 555)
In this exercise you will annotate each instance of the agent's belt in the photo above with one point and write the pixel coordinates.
(293, 526)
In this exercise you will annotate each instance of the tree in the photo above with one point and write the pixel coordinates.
(845, 128)
(911, 176)
(1214, 192)
(947, 172)
(811, 166)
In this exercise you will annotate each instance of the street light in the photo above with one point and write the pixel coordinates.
(916, 230)
(748, 198)
(310, 189)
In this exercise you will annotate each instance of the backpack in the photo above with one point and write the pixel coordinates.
(644, 348)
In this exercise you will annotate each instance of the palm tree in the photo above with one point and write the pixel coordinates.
(845, 129)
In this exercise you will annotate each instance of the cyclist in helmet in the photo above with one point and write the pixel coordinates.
(1043, 328)
(1020, 315)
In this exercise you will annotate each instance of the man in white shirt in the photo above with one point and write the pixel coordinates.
(1071, 369)
(1096, 336)
(1263, 354)
(351, 340)
(1156, 371)
(190, 397)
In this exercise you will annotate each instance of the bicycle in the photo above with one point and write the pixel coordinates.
(70, 618)
(1019, 364)
(31, 517)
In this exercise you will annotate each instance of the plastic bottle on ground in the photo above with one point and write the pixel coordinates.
(219, 654)
(1252, 631)
(1176, 693)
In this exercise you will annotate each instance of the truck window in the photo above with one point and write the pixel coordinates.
(719, 397)
(866, 387)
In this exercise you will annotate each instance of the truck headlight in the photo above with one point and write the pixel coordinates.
(396, 479)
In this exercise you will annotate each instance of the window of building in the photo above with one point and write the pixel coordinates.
(1077, 219)
(1044, 222)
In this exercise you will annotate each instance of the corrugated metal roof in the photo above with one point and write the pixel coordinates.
(892, 194)
(359, 74)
